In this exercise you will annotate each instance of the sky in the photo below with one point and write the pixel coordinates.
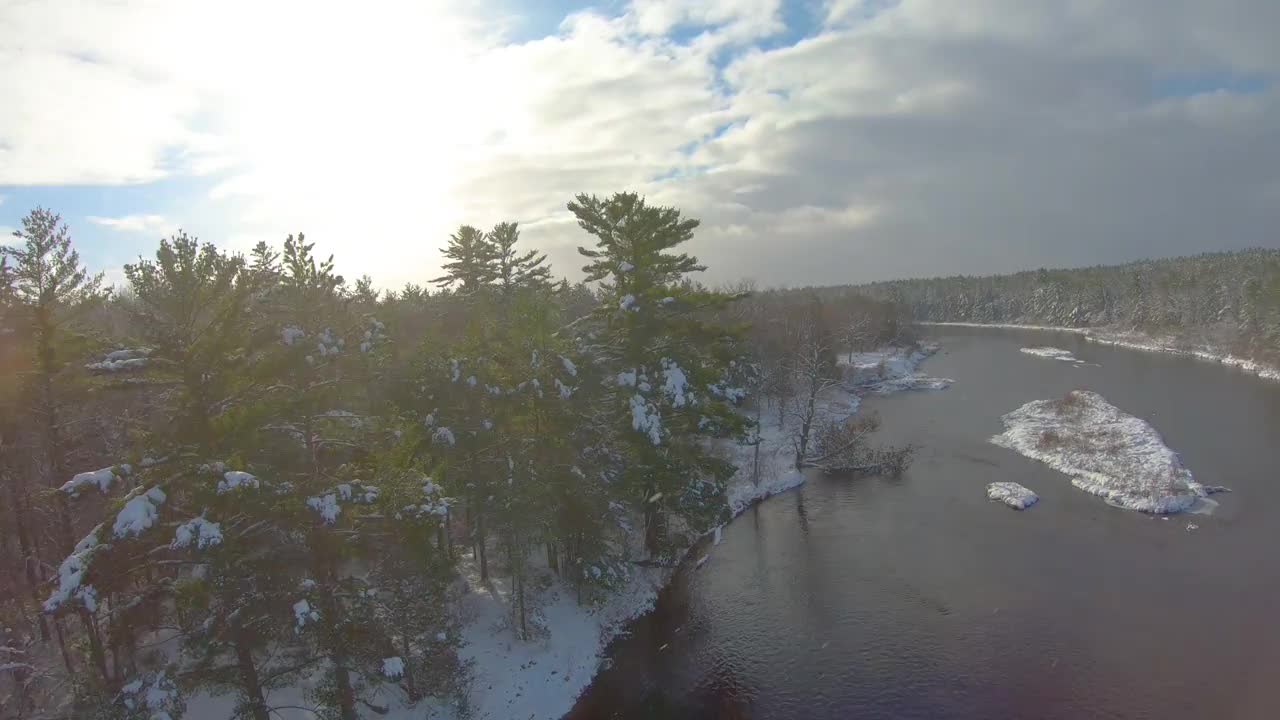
(819, 141)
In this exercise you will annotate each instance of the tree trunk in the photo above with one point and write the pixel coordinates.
(54, 452)
(249, 682)
(755, 462)
(95, 649)
(651, 530)
(30, 562)
(62, 645)
(553, 560)
(484, 556)
(448, 531)
(346, 696)
(410, 684)
(524, 627)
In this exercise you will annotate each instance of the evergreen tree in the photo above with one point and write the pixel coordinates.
(513, 271)
(669, 367)
(470, 261)
(51, 289)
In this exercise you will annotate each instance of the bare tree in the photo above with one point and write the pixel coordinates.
(813, 379)
(858, 333)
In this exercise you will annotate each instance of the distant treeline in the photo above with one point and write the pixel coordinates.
(1230, 300)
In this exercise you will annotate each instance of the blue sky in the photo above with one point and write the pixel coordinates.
(883, 138)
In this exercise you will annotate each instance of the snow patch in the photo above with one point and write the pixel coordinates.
(889, 370)
(101, 479)
(199, 532)
(392, 667)
(234, 479)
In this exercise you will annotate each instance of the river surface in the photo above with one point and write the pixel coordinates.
(918, 598)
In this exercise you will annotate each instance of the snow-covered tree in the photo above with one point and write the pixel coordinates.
(669, 369)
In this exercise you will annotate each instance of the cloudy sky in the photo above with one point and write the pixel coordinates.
(820, 141)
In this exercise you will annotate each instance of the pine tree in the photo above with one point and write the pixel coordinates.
(470, 265)
(51, 289)
(670, 368)
(513, 271)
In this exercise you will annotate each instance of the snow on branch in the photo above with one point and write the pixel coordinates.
(101, 479)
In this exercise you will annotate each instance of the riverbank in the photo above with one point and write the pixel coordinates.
(542, 678)
(1140, 341)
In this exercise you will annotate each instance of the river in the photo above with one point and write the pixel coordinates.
(918, 598)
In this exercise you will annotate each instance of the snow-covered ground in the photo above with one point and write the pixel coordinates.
(1106, 452)
(889, 370)
(1139, 341)
(1052, 353)
(1012, 494)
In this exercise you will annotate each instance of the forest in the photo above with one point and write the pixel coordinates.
(1227, 301)
(231, 473)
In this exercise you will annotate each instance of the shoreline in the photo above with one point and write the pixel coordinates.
(1135, 341)
(544, 678)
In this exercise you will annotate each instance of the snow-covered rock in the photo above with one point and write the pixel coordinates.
(1106, 452)
(1012, 494)
(1052, 353)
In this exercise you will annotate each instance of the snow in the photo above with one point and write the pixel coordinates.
(199, 532)
(569, 367)
(139, 513)
(71, 574)
(302, 614)
(128, 354)
(625, 266)
(628, 302)
(676, 383)
(290, 334)
(118, 365)
(645, 419)
(233, 479)
(123, 359)
(327, 506)
(1012, 494)
(889, 370)
(444, 435)
(1052, 353)
(392, 667)
(1106, 452)
(101, 479)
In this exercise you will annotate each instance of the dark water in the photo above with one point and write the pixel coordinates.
(918, 598)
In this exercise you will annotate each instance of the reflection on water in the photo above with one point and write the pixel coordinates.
(918, 598)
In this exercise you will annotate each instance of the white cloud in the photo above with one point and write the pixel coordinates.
(913, 137)
(135, 223)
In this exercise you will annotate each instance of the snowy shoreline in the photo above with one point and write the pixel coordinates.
(1134, 341)
(543, 679)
